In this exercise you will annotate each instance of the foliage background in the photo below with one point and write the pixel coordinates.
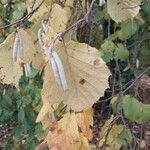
(127, 59)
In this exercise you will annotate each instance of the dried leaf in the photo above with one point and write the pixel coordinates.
(10, 71)
(32, 53)
(121, 10)
(45, 110)
(65, 135)
(86, 74)
(33, 4)
(118, 137)
(104, 131)
(69, 3)
(85, 122)
(58, 20)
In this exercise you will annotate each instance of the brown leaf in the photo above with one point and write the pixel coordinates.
(64, 135)
(85, 122)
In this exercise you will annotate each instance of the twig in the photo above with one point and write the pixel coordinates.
(23, 19)
(33, 4)
(132, 84)
(80, 21)
(136, 79)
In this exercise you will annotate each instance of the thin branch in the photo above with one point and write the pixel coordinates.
(79, 22)
(136, 79)
(132, 84)
(23, 19)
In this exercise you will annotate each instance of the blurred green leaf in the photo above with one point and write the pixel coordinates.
(128, 29)
(19, 11)
(118, 137)
(107, 49)
(21, 115)
(121, 53)
(135, 111)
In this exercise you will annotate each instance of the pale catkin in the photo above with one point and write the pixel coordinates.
(26, 70)
(137, 63)
(57, 68)
(60, 71)
(40, 37)
(44, 28)
(15, 47)
(20, 48)
(55, 71)
(101, 2)
(53, 118)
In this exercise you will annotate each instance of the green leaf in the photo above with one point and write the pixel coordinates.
(114, 105)
(107, 56)
(118, 137)
(4, 1)
(146, 11)
(34, 72)
(124, 137)
(135, 111)
(107, 50)
(108, 45)
(121, 53)
(21, 115)
(19, 11)
(128, 29)
(7, 102)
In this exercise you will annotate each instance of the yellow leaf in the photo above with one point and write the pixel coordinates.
(113, 134)
(86, 74)
(33, 4)
(115, 131)
(41, 146)
(85, 122)
(10, 72)
(64, 134)
(58, 20)
(32, 53)
(69, 3)
(84, 143)
(45, 110)
(142, 144)
(121, 10)
(46, 123)
(104, 130)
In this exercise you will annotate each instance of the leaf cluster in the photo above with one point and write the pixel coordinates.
(20, 107)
